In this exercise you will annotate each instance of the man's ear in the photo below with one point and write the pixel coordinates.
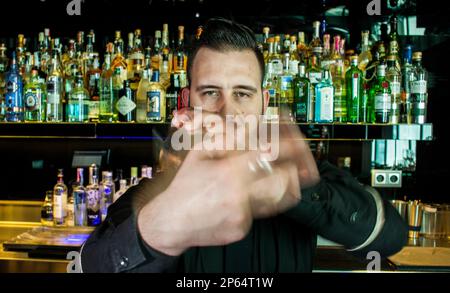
(185, 101)
(266, 99)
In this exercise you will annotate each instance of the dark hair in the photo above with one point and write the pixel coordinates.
(224, 35)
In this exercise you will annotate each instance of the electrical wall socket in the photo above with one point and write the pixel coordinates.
(387, 178)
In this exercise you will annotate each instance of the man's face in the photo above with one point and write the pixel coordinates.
(227, 83)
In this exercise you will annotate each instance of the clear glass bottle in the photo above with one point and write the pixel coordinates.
(107, 193)
(156, 99)
(324, 108)
(94, 217)
(393, 75)
(141, 111)
(419, 91)
(354, 80)
(78, 104)
(14, 92)
(35, 99)
(275, 57)
(55, 91)
(302, 96)
(47, 210)
(407, 76)
(93, 78)
(271, 84)
(122, 189)
(106, 92)
(286, 88)
(381, 95)
(316, 46)
(80, 200)
(60, 201)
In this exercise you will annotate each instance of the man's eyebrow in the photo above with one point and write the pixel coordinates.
(207, 86)
(246, 87)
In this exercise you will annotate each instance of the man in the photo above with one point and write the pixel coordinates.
(231, 211)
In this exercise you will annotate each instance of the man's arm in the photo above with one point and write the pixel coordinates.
(116, 245)
(342, 210)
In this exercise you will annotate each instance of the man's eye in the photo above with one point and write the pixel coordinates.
(242, 95)
(211, 94)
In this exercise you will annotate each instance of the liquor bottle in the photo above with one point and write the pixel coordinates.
(271, 84)
(119, 62)
(60, 201)
(337, 63)
(180, 56)
(94, 217)
(118, 43)
(286, 44)
(141, 111)
(407, 72)
(35, 99)
(286, 87)
(274, 57)
(164, 68)
(94, 76)
(294, 59)
(394, 77)
(314, 73)
(78, 104)
(381, 95)
(13, 95)
(354, 80)
(106, 92)
(394, 47)
(80, 201)
(134, 180)
(265, 44)
(324, 99)
(119, 176)
(70, 220)
(365, 57)
(302, 96)
(157, 51)
(122, 189)
(107, 193)
(156, 100)
(126, 105)
(366, 109)
(326, 57)
(69, 59)
(172, 96)
(165, 42)
(302, 48)
(419, 91)
(47, 210)
(3, 67)
(136, 56)
(340, 95)
(38, 66)
(315, 46)
(55, 91)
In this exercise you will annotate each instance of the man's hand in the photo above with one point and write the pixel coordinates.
(208, 203)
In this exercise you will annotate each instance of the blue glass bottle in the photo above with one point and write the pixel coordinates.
(13, 95)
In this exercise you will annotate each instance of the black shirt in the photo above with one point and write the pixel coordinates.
(339, 208)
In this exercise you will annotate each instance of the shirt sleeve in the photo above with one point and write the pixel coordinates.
(116, 245)
(341, 209)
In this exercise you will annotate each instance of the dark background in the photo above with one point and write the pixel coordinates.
(20, 181)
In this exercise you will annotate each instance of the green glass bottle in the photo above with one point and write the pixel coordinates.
(354, 80)
(381, 95)
(78, 110)
(340, 96)
(35, 99)
(302, 96)
(106, 92)
(366, 114)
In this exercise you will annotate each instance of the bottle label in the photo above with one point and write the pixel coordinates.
(31, 100)
(286, 83)
(154, 104)
(325, 98)
(382, 102)
(70, 215)
(395, 88)
(293, 67)
(315, 77)
(12, 87)
(93, 198)
(125, 105)
(277, 67)
(93, 109)
(58, 207)
(419, 87)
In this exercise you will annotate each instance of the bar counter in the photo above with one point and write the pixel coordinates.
(19, 217)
